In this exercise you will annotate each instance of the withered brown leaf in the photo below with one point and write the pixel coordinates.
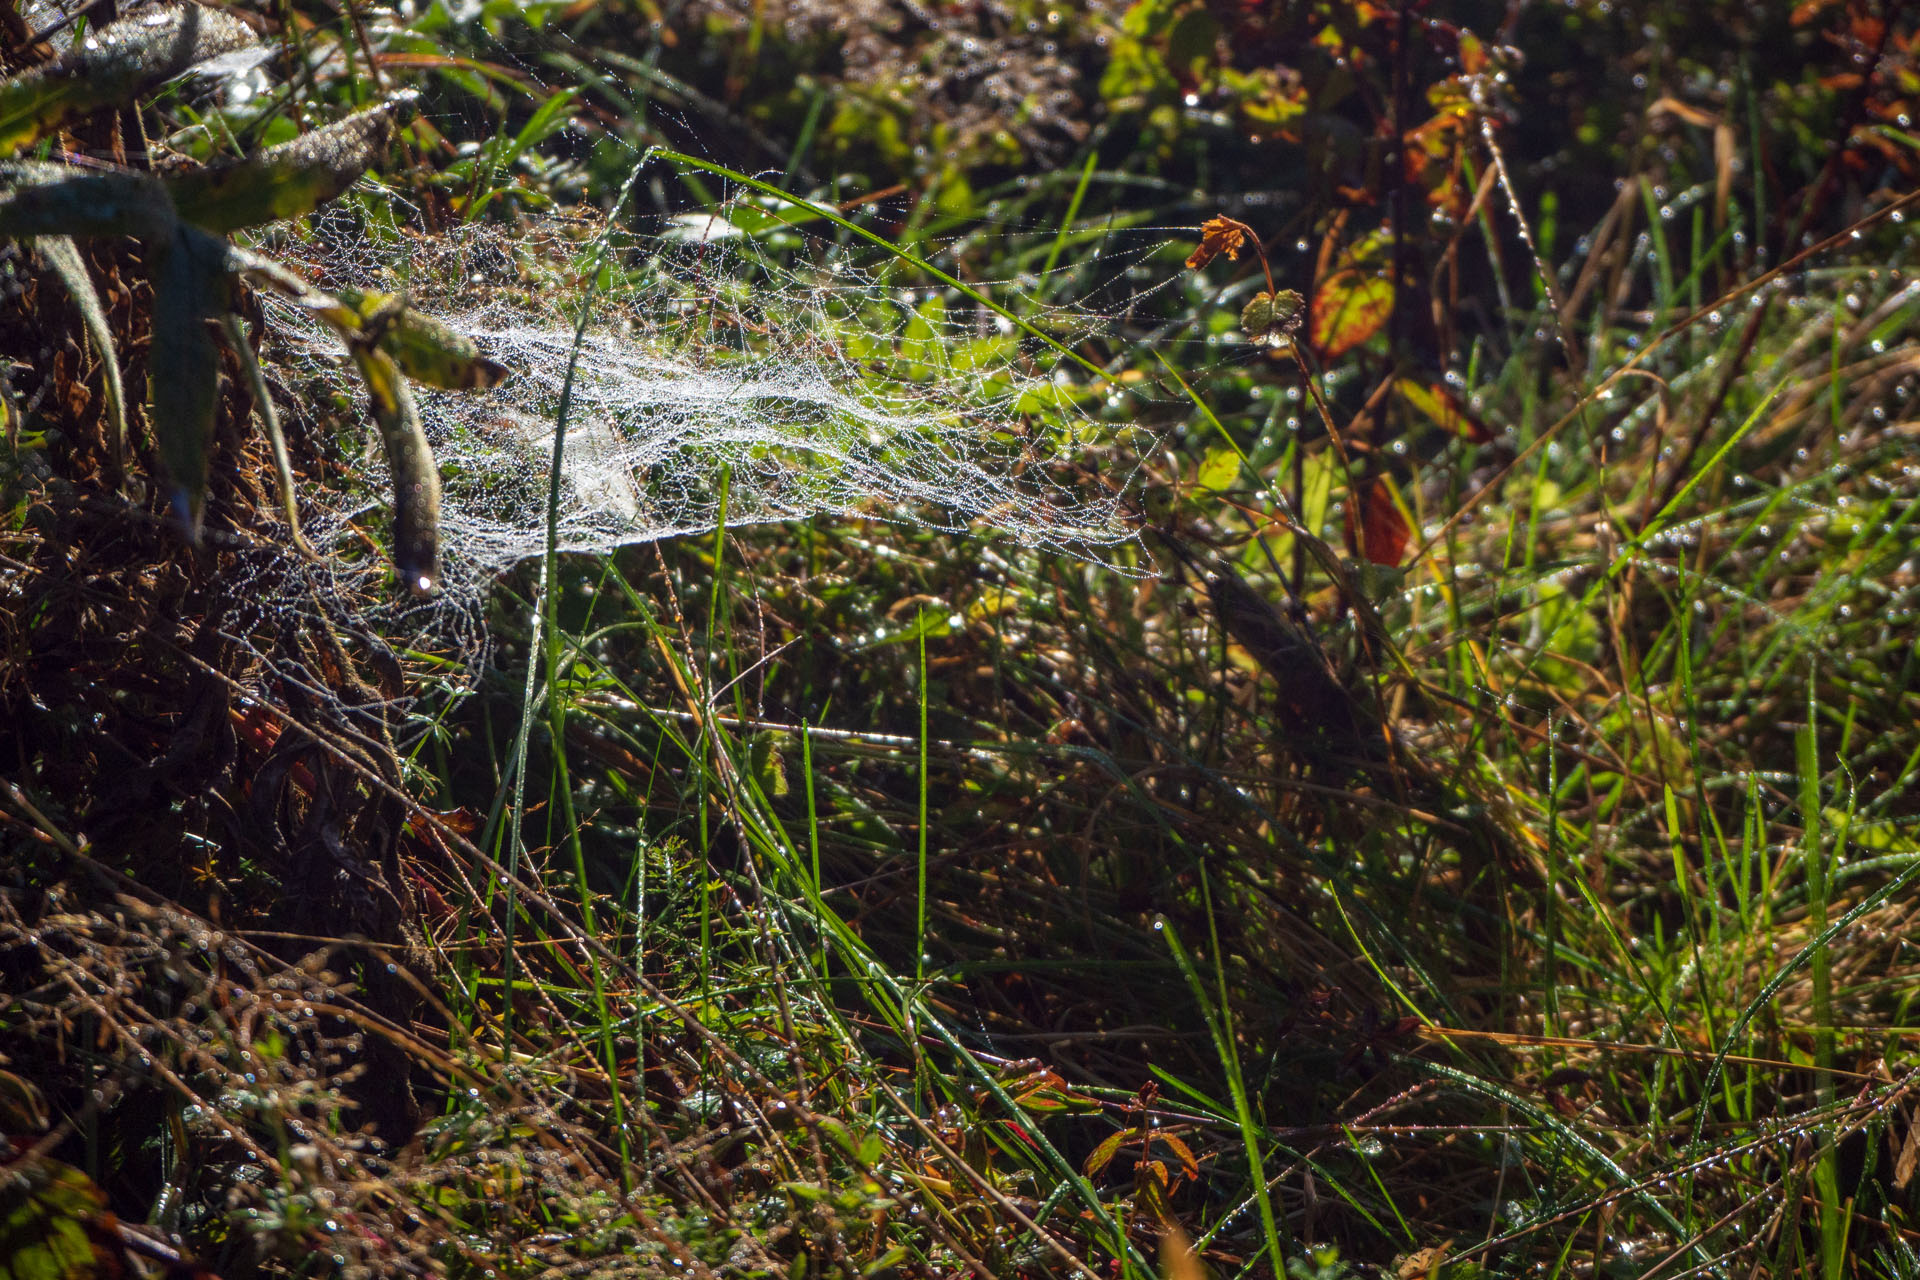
(1218, 236)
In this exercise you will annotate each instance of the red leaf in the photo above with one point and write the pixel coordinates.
(1375, 528)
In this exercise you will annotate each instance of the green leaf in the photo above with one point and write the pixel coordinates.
(1219, 471)
(425, 349)
(40, 199)
(1271, 317)
(416, 480)
(114, 66)
(289, 180)
(270, 425)
(64, 257)
(190, 287)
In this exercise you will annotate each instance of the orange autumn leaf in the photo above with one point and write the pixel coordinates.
(1218, 236)
(1376, 531)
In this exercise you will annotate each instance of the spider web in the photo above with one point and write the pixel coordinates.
(734, 370)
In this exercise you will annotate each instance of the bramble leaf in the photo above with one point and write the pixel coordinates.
(1102, 1156)
(1271, 317)
(1352, 301)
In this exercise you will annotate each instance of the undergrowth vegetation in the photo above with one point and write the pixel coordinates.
(1466, 828)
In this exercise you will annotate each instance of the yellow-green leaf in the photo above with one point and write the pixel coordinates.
(1444, 409)
(1102, 1156)
(426, 350)
(1220, 470)
(288, 180)
(1349, 307)
(114, 66)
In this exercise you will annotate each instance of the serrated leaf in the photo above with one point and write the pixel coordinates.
(190, 287)
(1271, 317)
(1348, 308)
(113, 67)
(289, 180)
(1257, 315)
(425, 349)
(1102, 1156)
(1352, 300)
(40, 199)
(1189, 1165)
(1444, 409)
(416, 480)
(64, 257)
(1150, 1185)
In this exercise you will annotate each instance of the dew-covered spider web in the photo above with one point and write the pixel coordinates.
(735, 369)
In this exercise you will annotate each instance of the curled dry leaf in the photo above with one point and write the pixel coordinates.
(1218, 236)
